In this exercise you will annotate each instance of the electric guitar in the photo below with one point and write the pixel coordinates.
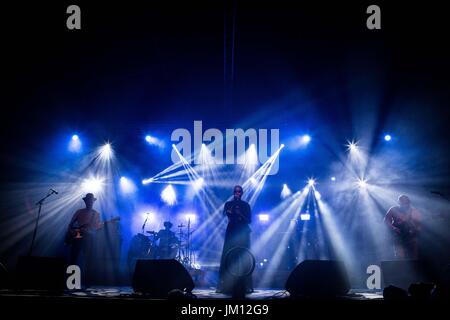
(78, 232)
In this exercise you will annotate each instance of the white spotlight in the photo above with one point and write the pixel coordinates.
(75, 144)
(106, 152)
(127, 186)
(168, 195)
(147, 181)
(352, 146)
(93, 185)
(263, 217)
(311, 182)
(333, 179)
(362, 183)
(285, 192)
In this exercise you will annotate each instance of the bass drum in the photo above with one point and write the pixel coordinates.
(140, 248)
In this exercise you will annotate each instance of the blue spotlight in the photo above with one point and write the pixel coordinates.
(388, 137)
(168, 195)
(306, 139)
(151, 140)
(127, 186)
(263, 217)
(75, 144)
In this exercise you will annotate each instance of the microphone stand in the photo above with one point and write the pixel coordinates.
(145, 222)
(39, 203)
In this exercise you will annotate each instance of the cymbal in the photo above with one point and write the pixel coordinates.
(151, 232)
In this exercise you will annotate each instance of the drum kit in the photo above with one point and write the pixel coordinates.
(163, 245)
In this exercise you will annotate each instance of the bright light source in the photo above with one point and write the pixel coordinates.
(106, 151)
(263, 217)
(190, 217)
(75, 144)
(333, 179)
(154, 141)
(305, 139)
(362, 183)
(285, 192)
(282, 146)
(92, 185)
(311, 182)
(198, 184)
(168, 195)
(147, 181)
(253, 181)
(127, 186)
(305, 216)
(388, 137)
(352, 146)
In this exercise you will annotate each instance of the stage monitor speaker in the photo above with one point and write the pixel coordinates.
(403, 273)
(156, 278)
(41, 273)
(318, 278)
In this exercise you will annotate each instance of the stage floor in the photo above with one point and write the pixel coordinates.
(200, 293)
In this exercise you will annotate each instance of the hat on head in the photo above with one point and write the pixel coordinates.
(89, 196)
(168, 224)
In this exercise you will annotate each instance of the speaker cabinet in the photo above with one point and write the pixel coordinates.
(156, 278)
(318, 278)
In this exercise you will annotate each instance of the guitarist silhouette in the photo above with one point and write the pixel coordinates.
(80, 234)
(404, 221)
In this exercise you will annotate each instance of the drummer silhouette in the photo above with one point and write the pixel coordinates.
(168, 242)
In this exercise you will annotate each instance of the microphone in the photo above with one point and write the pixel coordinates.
(53, 191)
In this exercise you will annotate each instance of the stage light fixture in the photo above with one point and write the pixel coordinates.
(75, 144)
(333, 179)
(168, 195)
(388, 137)
(352, 146)
(362, 183)
(285, 192)
(263, 217)
(127, 186)
(106, 151)
(305, 216)
(311, 182)
(305, 139)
